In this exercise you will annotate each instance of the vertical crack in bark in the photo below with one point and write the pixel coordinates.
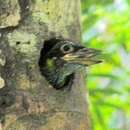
(24, 6)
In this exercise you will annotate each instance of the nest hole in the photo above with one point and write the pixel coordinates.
(47, 46)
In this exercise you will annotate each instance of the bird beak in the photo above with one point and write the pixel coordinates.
(84, 56)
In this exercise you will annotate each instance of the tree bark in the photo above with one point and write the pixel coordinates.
(27, 101)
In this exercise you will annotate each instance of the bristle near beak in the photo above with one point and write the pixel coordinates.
(85, 56)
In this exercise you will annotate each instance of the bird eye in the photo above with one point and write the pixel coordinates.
(66, 48)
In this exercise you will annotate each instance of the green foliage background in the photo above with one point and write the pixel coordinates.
(106, 26)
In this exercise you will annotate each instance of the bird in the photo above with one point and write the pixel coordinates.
(60, 59)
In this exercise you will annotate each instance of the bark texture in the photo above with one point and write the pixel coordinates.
(27, 101)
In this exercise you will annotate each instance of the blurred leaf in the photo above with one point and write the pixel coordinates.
(107, 75)
(108, 104)
(99, 117)
(106, 91)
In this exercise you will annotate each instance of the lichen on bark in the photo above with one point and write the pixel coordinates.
(9, 13)
(23, 42)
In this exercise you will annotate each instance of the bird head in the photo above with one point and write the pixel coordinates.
(60, 59)
(70, 52)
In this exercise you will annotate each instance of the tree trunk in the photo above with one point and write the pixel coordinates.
(27, 101)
